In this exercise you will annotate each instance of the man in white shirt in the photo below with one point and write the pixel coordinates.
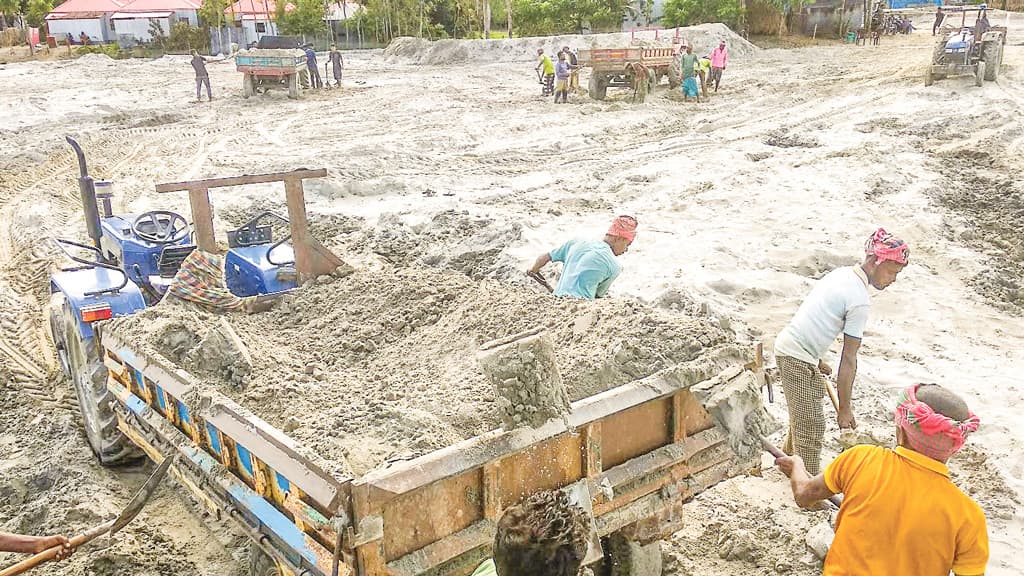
(838, 304)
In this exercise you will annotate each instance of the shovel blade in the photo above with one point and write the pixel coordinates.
(142, 496)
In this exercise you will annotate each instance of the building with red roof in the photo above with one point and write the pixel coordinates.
(91, 17)
(109, 20)
(254, 17)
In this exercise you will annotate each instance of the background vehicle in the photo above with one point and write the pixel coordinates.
(275, 62)
(973, 50)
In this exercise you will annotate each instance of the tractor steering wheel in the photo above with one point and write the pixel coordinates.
(161, 227)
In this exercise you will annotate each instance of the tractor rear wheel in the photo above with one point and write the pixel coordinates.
(979, 73)
(939, 51)
(89, 377)
(598, 86)
(992, 54)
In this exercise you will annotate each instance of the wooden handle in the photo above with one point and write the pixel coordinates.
(771, 449)
(832, 394)
(51, 553)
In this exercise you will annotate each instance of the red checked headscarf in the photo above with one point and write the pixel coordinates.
(935, 435)
(885, 246)
(623, 227)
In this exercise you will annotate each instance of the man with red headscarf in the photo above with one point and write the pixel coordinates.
(838, 304)
(589, 266)
(901, 513)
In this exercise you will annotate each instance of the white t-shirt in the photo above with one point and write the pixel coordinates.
(839, 303)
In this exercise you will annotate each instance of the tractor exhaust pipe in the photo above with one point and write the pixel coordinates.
(88, 191)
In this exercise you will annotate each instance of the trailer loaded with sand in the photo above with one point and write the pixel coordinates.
(378, 420)
(367, 420)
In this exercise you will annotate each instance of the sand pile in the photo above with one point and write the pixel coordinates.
(381, 364)
(407, 50)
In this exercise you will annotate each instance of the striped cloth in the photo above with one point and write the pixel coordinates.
(804, 387)
(201, 280)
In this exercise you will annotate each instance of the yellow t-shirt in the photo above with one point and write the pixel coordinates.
(902, 514)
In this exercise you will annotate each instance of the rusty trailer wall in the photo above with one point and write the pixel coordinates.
(641, 450)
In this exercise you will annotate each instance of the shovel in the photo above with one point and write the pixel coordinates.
(130, 511)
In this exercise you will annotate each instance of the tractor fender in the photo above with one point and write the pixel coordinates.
(74, 284)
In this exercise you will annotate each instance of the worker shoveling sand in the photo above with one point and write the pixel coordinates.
(381, 364)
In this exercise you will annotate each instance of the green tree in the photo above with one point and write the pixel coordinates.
(36, 11)
(211, 13)
(690, 12)
(9, 10)
(306, 18)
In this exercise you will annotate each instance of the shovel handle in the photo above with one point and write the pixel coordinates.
(774, 451)
(51, 553)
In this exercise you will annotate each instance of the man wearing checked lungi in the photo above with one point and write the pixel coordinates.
(838, 304)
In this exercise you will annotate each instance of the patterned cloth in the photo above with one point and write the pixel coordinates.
(885, 246)
(201, 280)
(935, 435)
(804, 387)
(624, 227)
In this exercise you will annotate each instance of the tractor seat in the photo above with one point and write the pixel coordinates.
(171, 258)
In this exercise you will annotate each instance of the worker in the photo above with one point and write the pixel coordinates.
(562, 72)
(314, 73)
(939, 17)
(202, 76)
(704, 70)
(22, 544)
(83, 38)
(336, 63)
(546, 535)
(589, 266)
(901, 513)
(688, 65)
(574, 69)
(981, 26)
(719, 58)
(547, 68)
(839, 303)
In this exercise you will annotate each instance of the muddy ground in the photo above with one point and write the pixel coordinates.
(743, 201)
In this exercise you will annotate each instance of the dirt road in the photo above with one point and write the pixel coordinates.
(743, 201)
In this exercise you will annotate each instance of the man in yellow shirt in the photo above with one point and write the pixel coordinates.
(544, 63)
(545, 535)
(901, 514)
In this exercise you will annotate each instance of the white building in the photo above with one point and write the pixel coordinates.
(254, 17)
(136, 18)
(89, 16)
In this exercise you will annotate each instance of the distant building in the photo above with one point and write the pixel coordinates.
(255, 18)
(89, 16)
(136, 18)
(105, 21)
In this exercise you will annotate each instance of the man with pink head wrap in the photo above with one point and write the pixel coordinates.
(901, 513)
(588, 266)
(838, 304)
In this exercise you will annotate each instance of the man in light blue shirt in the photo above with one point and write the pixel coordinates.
(589, 266)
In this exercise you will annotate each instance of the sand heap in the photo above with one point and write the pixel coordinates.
(382, 364)
(408, 50)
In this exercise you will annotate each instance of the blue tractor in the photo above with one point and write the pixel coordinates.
(968, 50)
(128, 263)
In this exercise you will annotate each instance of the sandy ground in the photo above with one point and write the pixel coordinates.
(743, 202)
